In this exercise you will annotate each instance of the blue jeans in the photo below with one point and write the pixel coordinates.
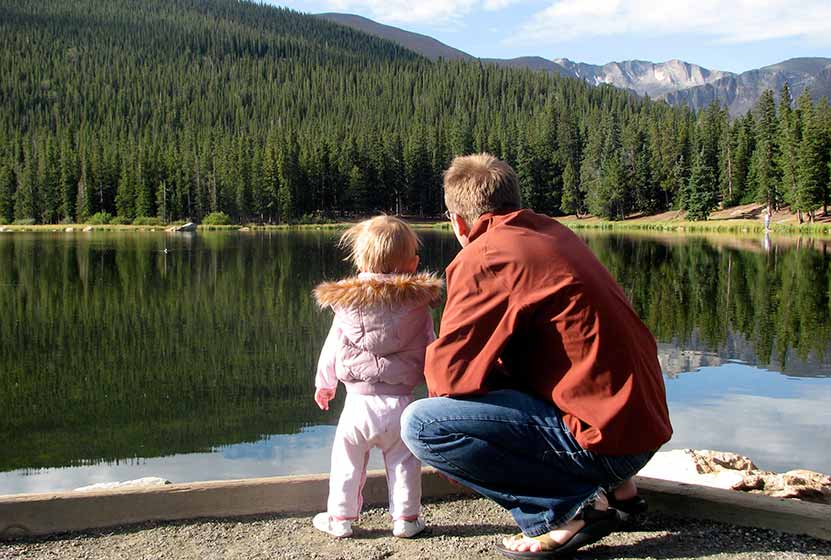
(514, 449)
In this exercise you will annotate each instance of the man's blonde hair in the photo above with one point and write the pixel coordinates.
(480, 183)
(381, 244)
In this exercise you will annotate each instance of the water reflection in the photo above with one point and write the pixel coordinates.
(781, 424)
(120, 360)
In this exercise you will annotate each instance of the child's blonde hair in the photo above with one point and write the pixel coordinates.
(382, 244)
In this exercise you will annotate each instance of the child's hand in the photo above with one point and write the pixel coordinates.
(323, 396)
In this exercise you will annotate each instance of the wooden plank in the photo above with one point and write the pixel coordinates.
(737, 508)
(43, 514)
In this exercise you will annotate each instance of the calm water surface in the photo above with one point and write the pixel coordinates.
(192, 357)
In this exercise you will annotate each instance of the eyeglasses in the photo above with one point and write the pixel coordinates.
(448, 214)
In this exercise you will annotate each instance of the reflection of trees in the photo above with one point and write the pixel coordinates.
(697, 291)
(112, 349)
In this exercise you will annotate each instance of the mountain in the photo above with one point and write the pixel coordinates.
(643, 77)
(675, 81)
(740, 92)
(422, 44)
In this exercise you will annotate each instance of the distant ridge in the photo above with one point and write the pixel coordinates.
(422, 44)
(529, 62)
(644, 77)
(739, 92)
(675, 81)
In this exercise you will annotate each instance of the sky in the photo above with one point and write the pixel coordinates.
(736, 35)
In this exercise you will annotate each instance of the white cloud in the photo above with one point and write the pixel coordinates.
(739, 21)
(494, 5)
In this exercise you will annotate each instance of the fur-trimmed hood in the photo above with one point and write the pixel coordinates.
(370, 290)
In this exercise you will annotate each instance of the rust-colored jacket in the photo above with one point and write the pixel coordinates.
(529, 307)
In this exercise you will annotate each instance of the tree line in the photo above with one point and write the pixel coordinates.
(176, 109)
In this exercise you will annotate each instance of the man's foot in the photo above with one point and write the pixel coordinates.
(555, 538)
(339, 528)
(590, 526)
(404, 529)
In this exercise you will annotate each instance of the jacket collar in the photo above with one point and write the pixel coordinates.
(368, 289)
(488, 220)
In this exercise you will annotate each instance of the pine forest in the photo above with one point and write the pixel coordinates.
(151, 111)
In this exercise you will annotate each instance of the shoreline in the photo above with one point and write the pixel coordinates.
(739, 228)
(740, 220)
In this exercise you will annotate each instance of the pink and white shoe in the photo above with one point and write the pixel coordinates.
(340, 528)
(404, 529)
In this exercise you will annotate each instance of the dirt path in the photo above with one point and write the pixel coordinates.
(458, 529)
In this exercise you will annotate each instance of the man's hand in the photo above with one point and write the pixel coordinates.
(323, 396)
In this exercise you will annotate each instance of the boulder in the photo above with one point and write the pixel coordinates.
(190, 226)
(147, 481)
(799, 484)
(245, 228)
(687, 465)
(730, 471)
(69, 230)
(88, 228)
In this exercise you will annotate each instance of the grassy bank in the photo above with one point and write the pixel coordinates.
(86, 228)
(745, 219)
(714, 226)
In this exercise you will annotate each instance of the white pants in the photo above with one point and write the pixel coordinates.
(369, 421)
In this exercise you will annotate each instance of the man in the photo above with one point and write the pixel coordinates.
(549, 392)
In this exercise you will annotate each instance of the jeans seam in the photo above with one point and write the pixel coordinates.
(503, 421)
(456, 466)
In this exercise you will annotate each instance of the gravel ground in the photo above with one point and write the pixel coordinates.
(457, 529)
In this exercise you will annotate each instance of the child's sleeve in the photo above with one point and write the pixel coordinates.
(326, 377)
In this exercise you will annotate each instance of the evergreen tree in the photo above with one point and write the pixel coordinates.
(702, 191)
(788, 141)
(25, 201)
(764, 172)
(7, 194)
(125, 198)
(163, 195)
(144, 194)
(289, 182)
(68, 181)
(48, 183)
(572, 201)
(813, 164)
(85, 206)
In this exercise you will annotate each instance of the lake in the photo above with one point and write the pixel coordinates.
(192, 356)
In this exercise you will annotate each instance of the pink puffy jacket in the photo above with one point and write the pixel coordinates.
(381, 329)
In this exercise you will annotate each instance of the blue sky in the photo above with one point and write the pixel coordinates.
(736, 36)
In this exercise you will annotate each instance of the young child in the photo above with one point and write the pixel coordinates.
(376, 348)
